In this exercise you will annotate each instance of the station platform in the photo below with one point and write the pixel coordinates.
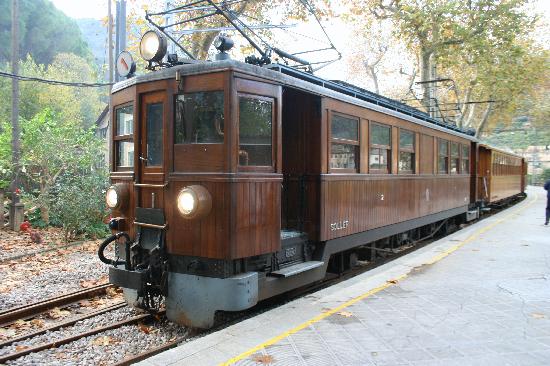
(480, 296)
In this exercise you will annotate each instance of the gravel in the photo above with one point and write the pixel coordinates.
(101, 349)
(48, 281)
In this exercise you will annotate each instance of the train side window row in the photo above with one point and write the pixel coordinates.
(506, 165)
(452, 157)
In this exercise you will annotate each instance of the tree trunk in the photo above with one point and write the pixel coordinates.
(374, 79)
(484, 119)
(43, 200)
(425, 75)
(465, 107)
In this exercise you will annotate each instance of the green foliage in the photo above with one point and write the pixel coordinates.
(44, 31)
(545, 176)
(78, 105)
(80, 206)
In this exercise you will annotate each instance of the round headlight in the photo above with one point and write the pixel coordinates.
(153, 46)
(117, 196)
(194, 202)
(111, 197)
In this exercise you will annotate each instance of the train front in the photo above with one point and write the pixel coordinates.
(176, 173)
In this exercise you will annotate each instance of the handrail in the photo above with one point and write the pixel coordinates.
(148, 185)
(153, 226)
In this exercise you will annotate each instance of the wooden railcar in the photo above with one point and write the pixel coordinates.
(294, 173)
(501, 175)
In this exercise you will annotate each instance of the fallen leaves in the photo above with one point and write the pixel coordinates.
(105, 341)
(263, 359)
(346, 314)
(143, 328)
(20, 348)
(57, 313)
(538, 315)
(392, 281)
(38, 323)
(6, 333)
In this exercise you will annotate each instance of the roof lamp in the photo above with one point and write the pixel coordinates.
(153, 46)
(223, 43)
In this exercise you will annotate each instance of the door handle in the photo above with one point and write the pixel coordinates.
(142, 158)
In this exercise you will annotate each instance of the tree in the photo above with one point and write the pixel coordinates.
(52, 148)
(44, 31)
(484, 46)
(79, 105)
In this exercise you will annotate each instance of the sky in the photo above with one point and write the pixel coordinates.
(98, 8)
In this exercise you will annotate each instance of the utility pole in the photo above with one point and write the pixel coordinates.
(110, 40)
(110, 68)
(16, 208)
(120, 36)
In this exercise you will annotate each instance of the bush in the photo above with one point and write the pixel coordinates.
(79, 205)
(545, 176)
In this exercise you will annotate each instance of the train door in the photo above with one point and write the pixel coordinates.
(151, 151)
(484, 174)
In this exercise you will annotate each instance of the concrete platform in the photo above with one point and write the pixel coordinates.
(478, 297)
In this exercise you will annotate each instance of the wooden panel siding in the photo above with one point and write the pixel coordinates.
(370, 202)
(244, 220)
(504, 186)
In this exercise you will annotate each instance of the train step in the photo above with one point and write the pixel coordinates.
(296, 269)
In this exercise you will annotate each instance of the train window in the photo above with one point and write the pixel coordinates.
(344, 128)
(125, 154)
(455, 158)
(465, 169)
(443, 156)
(154, 134)
(255, 131)
(344, 149)
(125, 120)
(406, 152)
(199, 118)
(124, 140)
(380, 148)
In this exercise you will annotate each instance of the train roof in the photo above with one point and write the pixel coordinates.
(499, 150)
(304, 81)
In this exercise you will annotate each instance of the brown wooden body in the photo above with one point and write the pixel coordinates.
(300, 192)
(245, 217)
(501, 175)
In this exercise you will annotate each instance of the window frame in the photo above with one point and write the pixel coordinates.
(225, 121)
(258, 168)
(454, 157)
(388, 149)
(335, 140)
(123, 138)
(439, 156)
(462, 159)
(411, 151)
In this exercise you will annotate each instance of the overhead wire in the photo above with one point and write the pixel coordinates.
(53, 82)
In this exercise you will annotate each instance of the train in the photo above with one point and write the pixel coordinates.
(233, 183)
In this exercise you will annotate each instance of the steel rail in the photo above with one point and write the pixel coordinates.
(63, 324)
(54, 344)
(151, 352)
(26, 311)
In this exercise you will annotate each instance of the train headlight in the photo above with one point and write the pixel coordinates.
(194, 202)
(152, 46)
(116, 196)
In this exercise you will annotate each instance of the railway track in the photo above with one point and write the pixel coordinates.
(72, 338)
(228, 318)
(24, 312)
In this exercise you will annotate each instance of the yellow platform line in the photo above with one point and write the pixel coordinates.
(388, 283)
